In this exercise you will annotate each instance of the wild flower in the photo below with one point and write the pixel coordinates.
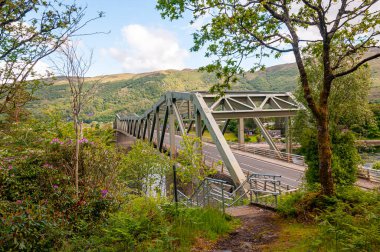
(18, 202)
(104, 193)
(56, 141)
(83, 140)
(55, 186)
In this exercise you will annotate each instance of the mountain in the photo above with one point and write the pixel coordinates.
(133, 93)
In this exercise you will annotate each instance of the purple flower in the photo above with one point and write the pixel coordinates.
(10, 167)
(83, 140)
(55, 186)
(56, 141)
(104, 193)
(18, 202)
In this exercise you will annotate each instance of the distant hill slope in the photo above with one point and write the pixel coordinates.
(136, 92)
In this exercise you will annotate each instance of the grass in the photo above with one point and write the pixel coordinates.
(200, 223)
(293, 236)
(147, 224)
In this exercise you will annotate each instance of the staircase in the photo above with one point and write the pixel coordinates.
(260, 189)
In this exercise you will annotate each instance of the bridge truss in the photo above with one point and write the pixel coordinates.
(182, 111)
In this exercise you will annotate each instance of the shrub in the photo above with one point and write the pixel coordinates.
(39, 209)
(148, 224)
(376, 166)
(345, 159)
(348, 221)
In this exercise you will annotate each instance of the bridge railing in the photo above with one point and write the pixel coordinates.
(219, 166)
(284, 156)
(370, 174)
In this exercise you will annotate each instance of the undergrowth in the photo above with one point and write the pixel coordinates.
(148, 224)
(349, 221)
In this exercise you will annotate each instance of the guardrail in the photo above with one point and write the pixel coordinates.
(284, 156)
(219, 166)
(287, 157)
(370, 174)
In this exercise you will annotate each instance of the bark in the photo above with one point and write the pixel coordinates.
(325, 153)
(76, 159)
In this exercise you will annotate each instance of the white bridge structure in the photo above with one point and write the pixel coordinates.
(177, 113)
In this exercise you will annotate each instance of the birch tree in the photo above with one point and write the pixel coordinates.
(74, 65)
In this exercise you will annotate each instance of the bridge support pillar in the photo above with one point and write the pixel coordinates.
(241, 131)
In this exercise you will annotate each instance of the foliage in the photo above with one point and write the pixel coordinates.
(192, 166)
(145, 168)
(30, 31)
(349, 109)
(38, 207)
(348, 221)
(345, 156)
(376, 166)
(148, 224)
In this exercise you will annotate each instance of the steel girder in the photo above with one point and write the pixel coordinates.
(182, 110)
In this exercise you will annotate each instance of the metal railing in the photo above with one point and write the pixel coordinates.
(263, 189)
(219, 166)
(370, 174)
(284, 156)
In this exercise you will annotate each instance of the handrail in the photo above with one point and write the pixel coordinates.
(370, 174)
(213, 190)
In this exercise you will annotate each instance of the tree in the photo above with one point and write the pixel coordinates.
(74, 67)
(29, 31)
(238, 29)
(349, 109)
(145, 168)
(192, 167)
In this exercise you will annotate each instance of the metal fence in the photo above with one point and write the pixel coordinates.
(262, 189)
(284, 156)
(370, 174)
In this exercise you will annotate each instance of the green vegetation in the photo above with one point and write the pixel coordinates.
(347, 221)
(147, 224)
(376, 166)
(40, 210)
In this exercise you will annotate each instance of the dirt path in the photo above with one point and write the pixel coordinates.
(258, 229)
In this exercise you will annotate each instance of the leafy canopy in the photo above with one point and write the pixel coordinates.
(236, 30)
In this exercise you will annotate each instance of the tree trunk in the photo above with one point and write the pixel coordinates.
(76, 159)
(325, 153)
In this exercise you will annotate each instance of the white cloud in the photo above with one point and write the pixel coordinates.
(148, 49)
(287, 58)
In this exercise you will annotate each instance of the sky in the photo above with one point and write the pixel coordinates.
(139, 40)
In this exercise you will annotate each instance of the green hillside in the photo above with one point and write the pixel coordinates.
(133, 93)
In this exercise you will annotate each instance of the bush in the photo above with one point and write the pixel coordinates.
(348, 221)
(376, 166)
(147, 224)
(345, 159)
(39, 209)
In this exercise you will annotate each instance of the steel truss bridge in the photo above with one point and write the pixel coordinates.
(180, 112)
